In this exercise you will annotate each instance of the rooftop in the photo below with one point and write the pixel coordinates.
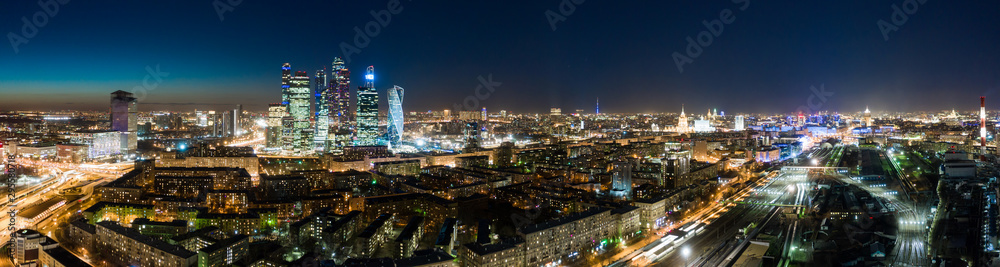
(149, 241)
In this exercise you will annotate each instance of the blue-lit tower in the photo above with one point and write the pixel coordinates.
(324, 96)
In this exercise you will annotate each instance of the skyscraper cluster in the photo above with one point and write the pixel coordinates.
(314, 115)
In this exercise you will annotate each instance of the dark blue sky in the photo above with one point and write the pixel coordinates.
(945, 55)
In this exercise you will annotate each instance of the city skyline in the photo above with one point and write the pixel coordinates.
(935, 59)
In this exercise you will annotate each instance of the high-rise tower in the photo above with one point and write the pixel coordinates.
(395, 129)
(324, 96)
(621, 179)
(367, 116)
(124, 119)
(275, 112)
(738, 123)
(297, 132)
(340, 79)
(237, 117)
(286, 77)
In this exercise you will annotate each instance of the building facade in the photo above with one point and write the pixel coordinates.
(367, 116)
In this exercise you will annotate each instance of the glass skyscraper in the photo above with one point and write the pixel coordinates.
(301, 132)
(395, 128)
(124, 119)
(340, 84)
(324, 98)
(275, 112)
(367, 116)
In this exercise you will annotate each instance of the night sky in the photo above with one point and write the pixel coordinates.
(944, 56)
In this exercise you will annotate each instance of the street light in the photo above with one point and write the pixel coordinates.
(686, 252)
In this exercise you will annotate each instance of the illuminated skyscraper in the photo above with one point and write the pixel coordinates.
(272, 133)
(286, 77)
(298, 132)
(367, 117)
(395, 128)
(124, 119)
(237, 117)
(738, 123)
(621, 179)
(324, 100)
(340, 113)
(340, 79)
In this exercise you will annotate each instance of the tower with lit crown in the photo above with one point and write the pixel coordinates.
(682, 122)
(324, 100)
(868, 117)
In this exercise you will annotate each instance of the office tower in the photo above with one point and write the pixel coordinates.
(738, 123)
(124, 119)
(272, 133)
(484, 114)
(395, 128)
(621, 179)
(682, 122)
(297, 128)
(341, 81)
(287, 138)
(237, 116)
(368, 111)
(215, 122)
(227, 123)
(555, 112)
(676, 164)
(323, 96)
(286, 77)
